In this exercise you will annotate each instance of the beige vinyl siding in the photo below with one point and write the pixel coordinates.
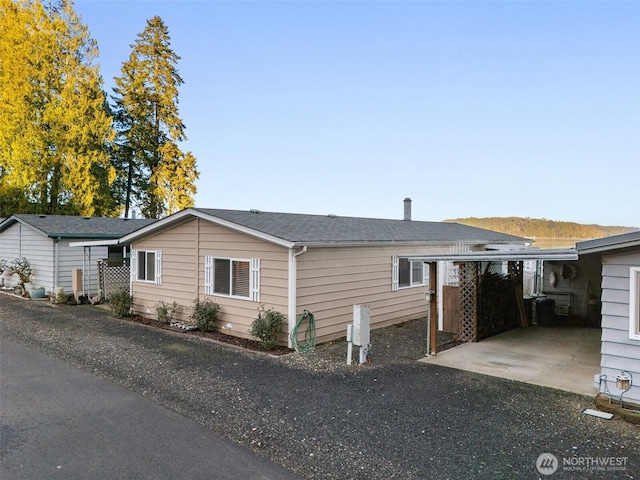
(221, 242)
(331, 280)
(619, 352)
(184, 248)
(179, 271)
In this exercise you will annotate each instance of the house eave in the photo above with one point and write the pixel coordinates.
(614, 242)
(608, 248)
(387, 243)
(95, 243)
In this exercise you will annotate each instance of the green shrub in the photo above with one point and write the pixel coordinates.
(60, 298)
(165, 312)
(121, 303)
(204, 313)
(267, 326)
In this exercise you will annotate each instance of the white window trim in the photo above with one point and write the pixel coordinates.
(634, 303)
(134, 266)
(395, 275)
(254, 277)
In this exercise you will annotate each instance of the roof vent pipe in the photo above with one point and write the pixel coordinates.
(407, 208)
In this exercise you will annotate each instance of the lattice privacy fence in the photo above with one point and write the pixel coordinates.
(468, 306)
(113, 276)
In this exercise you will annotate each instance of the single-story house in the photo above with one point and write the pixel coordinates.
(44, 241)
(324, 264)
(619, 260)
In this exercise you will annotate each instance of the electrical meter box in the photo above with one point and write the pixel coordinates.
(361, 325)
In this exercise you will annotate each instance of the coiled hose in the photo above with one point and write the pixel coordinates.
(309, 335)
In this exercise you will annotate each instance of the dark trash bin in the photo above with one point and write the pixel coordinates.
(528, 309)
(593, 310)
(545, 311)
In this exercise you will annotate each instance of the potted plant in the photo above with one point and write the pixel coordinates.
(36, 292)
(22, 268)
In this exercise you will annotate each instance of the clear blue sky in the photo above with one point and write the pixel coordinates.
(470, 108)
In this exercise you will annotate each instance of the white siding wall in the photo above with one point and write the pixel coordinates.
(10, 243)
(82, 258)
(22, 241)
(10, 249)
(619, 352)
(46, 255)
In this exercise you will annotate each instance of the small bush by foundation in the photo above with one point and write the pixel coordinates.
(121, 303)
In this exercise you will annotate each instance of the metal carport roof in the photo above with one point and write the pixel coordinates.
(499, 255)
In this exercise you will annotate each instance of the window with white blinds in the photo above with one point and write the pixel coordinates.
(232, 277)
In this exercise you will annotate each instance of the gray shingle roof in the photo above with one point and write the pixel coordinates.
(68, 226)
(325, 229)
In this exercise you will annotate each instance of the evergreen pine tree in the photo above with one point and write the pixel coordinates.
(153, 171)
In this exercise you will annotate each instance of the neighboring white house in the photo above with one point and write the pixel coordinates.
(620, 297)
(44, 241)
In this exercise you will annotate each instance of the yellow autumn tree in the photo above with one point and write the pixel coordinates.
(54, 123)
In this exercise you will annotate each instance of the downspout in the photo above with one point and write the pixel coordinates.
(84, 268)
(56, 274)
(293, 272)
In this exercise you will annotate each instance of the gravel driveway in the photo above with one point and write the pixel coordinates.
(395, 418)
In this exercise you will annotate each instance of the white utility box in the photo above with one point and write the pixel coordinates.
(361, 325)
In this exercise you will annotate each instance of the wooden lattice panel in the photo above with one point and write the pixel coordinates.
(468, 306)
(114, 276)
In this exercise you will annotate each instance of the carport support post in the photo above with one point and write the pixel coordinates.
(433, 307)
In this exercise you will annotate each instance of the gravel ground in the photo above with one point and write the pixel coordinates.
(394, 418)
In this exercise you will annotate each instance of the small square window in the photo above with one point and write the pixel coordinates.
(146, 266)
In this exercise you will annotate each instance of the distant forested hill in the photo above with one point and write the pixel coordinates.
(542, 228)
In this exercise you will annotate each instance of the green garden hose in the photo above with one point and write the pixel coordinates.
(309, 335)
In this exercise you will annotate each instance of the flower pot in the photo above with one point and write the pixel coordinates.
(37, 292)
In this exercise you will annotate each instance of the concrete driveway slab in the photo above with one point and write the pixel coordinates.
(562, 358)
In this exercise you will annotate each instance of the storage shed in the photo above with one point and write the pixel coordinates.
(620, 299)
(44, 241)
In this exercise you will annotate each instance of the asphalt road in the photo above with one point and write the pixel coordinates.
(60, 422)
